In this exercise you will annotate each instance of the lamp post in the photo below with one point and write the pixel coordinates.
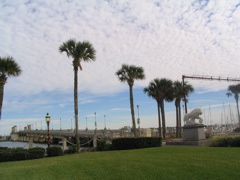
(105, 122)
(95, 124)
(47, 117)
(86, 125)
(138, 120)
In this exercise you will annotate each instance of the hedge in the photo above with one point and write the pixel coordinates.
(135, 143)
(225, 141)
(18, 154)
(54, 151)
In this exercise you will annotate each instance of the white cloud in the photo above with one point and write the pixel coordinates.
(167, 38)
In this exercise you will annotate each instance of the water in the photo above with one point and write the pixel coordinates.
(14, 144)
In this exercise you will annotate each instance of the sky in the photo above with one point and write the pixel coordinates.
(168, 38)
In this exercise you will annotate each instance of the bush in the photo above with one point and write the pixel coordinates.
(225, 141)
(102, 146)
(20, 155)
(54, 151)
(5, 156)
(37, 152)
(135, 143)
(71, 149)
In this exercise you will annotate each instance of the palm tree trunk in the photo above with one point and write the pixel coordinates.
(159, 120)
(1, 97)
(163, 119)
(76, 106)
(179, 119)
(132, 110)
(177, 122)
(236, 98)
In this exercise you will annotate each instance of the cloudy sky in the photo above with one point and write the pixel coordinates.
(168, 38)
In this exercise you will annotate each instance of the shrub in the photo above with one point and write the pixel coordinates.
(102, 146)
(20, 155)
(135, 143)
(225, 141)
(5, 156)
(54, 151)
(71, 149)
(37, 152)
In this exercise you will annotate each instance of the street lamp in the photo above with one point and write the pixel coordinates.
(105, 122)
(138, 120)
(95, 124)
(47, 117)
(86, 125)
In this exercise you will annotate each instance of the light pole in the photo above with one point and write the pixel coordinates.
(86, 124)
(95, 124)
(138, 120)
(47, 117)
(60, 124)
(71, 124)
(105, 122)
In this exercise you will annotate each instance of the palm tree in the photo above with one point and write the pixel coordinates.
(129, 73)
(152, 91)
(8, 68)
(180, 91)
(78, 51)
(235, 89)
(161, 89)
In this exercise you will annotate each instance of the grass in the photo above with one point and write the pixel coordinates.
(150, 163)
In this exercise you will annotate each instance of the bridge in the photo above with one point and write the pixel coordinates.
(65, 135)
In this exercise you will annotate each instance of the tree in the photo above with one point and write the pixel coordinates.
(180, 91)
(129, 73)
(235, 89)
(152, 91)
(8, 68)
(160, 89)
(78, 51)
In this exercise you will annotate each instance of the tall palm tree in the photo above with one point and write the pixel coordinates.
(162, 92)
(78, 51)
(235, 89)
(153, 91)
(180, 91)
(129, 73)
(8, 68)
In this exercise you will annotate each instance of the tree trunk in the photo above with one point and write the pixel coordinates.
(1, 97)
(76, 106)
(236, 98)
(132, 110)
(163, 119)
(159, 121)
(179, 120)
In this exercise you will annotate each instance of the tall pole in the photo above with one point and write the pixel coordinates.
(60, 124)
(105, 121)
(95, 124)
(71, 124)
(185, 100)
(48, 135)
(86, 124)
(138, 120)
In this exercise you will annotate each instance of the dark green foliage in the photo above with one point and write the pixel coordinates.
(237, 129)
(135, 143)
(20, 155)
(17, 154)
(37, 152)
(225, 142)
(71, 149)
(5, 156)
(102, 146)
(54, 151)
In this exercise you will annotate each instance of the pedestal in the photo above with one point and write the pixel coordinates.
(193, 132)
(193, 135)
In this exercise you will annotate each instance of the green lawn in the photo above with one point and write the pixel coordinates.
(150, 163)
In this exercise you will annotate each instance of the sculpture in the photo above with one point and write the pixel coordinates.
(189, 118)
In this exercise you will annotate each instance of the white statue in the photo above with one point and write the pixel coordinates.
(189, 118)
